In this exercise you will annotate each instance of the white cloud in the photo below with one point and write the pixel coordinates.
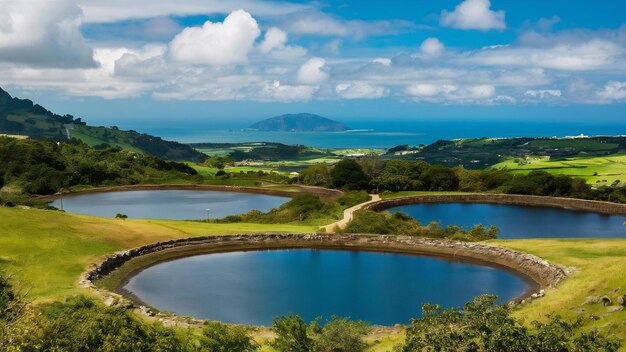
(431, 48)
(613, 91)
(312, 72)
(474, 14)
(274, 39)
(543, 93)
(275, 44)
(43, 33)
(360, 91)
(275, 91)
(103, 11)
(434, 92)
(383, 61)
(318, 23)
(430, 90)
(220, 43)
(589, 55)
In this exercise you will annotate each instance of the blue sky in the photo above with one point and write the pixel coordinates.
(208, 60)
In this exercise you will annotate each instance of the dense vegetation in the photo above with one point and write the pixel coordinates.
(480, 326)
(401, 175)
(260, 151)
(23, 117)
(45, 167)
(301, 208)
(366, 221)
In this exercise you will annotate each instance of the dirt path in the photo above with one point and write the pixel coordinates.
(348, 213)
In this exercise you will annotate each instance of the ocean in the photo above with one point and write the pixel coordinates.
(379, 134)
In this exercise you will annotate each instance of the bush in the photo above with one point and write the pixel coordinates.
(339, 334)
(220, 337)
(484, 326)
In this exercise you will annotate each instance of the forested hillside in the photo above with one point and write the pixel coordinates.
(45, 167)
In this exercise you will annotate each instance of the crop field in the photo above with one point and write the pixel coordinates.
(595, 170)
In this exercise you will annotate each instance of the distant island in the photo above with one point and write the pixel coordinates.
(299, 123)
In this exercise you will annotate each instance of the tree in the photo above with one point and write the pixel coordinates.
(348, 174)
(317, 175)
(291, 335)
(220, 337)
(341, 334)
(439, 178)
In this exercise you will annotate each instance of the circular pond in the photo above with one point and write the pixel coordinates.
(167, 204)
(520, 221)
(253, 287)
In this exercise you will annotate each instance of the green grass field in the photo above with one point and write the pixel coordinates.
(595, 170)
(46, 251)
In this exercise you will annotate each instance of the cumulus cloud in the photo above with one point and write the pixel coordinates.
(473, 14)
(274, 39)
(613, 91)
(220, 43)
(360, 91)
(43, 33)
(431, 48)
(312, 72)
(275, 43)
(543, 93)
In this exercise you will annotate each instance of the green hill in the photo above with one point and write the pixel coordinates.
(23, 117)
(299, 123)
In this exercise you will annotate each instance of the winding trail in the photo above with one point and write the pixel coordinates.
(348, 213)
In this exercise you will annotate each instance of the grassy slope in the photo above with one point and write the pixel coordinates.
(599, 269)
(47, 251)
(609, 168)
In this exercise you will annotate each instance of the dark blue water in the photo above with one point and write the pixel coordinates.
(168, 204)
(254, 287)
(520, 222)
(380, 134)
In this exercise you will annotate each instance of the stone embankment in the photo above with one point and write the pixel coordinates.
(542, 272)
(324, 193)
(512, 199)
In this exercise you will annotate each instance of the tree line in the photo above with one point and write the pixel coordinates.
(46, 167)
(374, 175)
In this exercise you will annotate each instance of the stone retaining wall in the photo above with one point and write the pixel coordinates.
(540, 271)
(524, 200)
